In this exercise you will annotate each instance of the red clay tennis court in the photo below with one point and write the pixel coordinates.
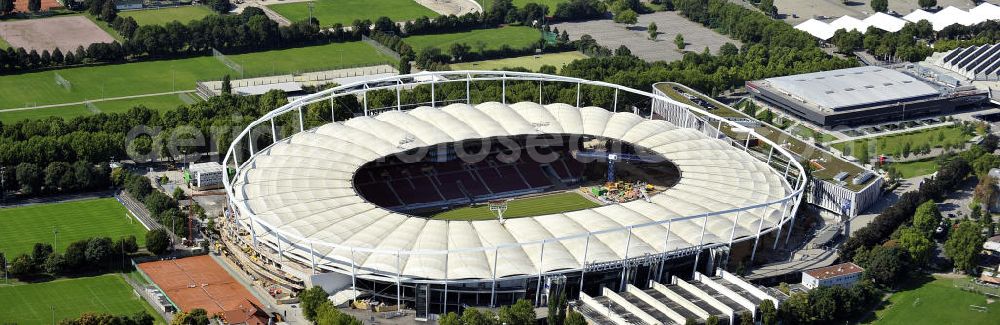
(198, 282)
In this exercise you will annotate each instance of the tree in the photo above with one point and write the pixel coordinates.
(34, 6)
(963, 245)
(196, 316)
(767, 6)
(712, 320)
(450, 319)
(473, 316)
(6, 7)
(30, 178)
(521, 312)
(768, 314)
(76, 254)
(927, 217)
(690, 321)
(623, 50)
(21, 267)
(178, 193)
(883, 265)
(157, 241)
(575, 318)
(227, 86)
(987, 223)
(459, 51)
(927, 3)
(55, 264)
(40, 252)
(915, 242)
(985, 191)
(557, 310)
(880, 5)
(310, 300)
(652, 30)
(746, 318)
(679, 41)
(626, 17)
(99, 251)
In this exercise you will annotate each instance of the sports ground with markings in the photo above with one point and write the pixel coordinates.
(526, 207)
(22, 227)
(51, 302)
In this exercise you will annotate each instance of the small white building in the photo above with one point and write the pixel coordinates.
(204, 176)
(992, 244)
(844, 275)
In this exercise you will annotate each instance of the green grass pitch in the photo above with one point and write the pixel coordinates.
(527, 207)
(936, 302)
(39, 303)
(22, 227)
(160, 103)
(163, 16)
(552, 4)
(490, 39)
(529, 62)
(152, 77)
(330, 12)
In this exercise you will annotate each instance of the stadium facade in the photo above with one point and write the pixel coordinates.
(298, 211)
(864, 95)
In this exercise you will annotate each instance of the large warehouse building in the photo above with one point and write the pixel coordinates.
(865, 95)
(340, 205)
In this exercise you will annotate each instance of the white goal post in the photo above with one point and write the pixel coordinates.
(62, 82)
(226, 61)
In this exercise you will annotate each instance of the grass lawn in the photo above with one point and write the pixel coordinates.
(330, 12)
(22, 227)
(3, 44)
(528, 207)
(163, 16)
(936, 301)
(915, 168)
(106, 28)
(39, 303)
(489, 39)
(520, 3)
(160, 103)
(39, 88)
(809, 133)
(892, 145)
(529, 62)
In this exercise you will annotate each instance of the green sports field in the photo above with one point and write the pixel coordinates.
(150, 77)
(163, 16)
(330, 12)
(489, 39)
(520, 3)
(22, 227)
(529, 62)
(160, 103)
(40, 303)
(528, 207)
(937, 302)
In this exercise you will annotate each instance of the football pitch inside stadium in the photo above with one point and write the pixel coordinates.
(51, 302)
(526, 207)
(22, 227)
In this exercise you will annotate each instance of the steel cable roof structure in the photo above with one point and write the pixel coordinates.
(295, 196)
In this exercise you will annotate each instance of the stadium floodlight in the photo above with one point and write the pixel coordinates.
(498, 207)
(228, 62)
(63, 82)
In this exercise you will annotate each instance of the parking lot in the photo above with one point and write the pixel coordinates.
(612, 35)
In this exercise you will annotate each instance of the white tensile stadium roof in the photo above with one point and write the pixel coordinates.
(885, 22)
(849, 23)
(817, 29)
(302, 186)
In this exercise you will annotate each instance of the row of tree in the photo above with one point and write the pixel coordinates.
(161, 206)
(913, 42)
(140, 318)
(86, 255)
(319, 310)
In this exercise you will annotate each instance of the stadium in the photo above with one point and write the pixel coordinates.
(866, 95)
(350, 205)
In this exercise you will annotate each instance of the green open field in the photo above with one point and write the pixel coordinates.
(488, 39)
(893, 144)
(936, 302)
(151, 77)
(915, 168)
(163, 16)
(809, 133)
(40, 303)
(160, 103)
(330, 12)
(529, 62)
(527, 207)
(22, 227)
(3, 44)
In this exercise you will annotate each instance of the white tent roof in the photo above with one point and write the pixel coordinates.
(849, 23)
(885, 22)
(950, 16)
(817, 29)
(985, 11)
(918, 15)
(302, 186)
